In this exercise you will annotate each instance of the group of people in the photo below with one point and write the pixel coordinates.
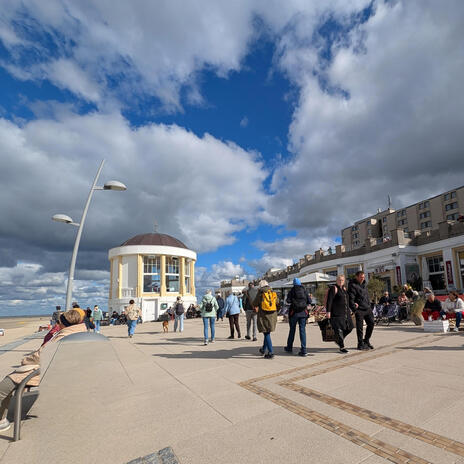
(452, 307)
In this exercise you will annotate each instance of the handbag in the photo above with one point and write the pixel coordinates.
(327, 331)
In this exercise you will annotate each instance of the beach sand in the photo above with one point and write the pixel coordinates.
(19, 327)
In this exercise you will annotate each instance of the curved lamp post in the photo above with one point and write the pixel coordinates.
(111, 185)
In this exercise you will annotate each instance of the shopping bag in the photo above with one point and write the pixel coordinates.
(327, 331)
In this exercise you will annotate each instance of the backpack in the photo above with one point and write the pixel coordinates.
(299, 302)
(208, 306)
(179, 309)
(269, 301)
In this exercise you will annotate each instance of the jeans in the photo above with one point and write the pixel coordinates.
(205, 327)
(97, 326)
(220, 314)
(362, 316)
(458, 318)
(131, 325)
(251, 316)
(179, 321)
(113, 321)
(267, 344)
(293, 321)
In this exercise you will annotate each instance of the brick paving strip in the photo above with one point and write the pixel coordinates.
(378, 447)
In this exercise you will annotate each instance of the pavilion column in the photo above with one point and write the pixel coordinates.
(163, 275)
(120, 277)
(139, 290)
(111, 279)
(192, 277)
(182, 276)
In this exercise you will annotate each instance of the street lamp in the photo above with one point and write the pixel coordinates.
(111, 185)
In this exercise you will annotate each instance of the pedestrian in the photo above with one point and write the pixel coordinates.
(89, 325)
(251, 312)
(179, 311)
(114, 318)
(56, 316)
(232, 310)
(221, 304)
(208, 307)
(339, 313)
(97, 316)
(453, 305)
(298, 300)
(132, 313)
(360, 305)
(266, 301)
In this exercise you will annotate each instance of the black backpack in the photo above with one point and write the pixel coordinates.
(208, 306)
(180, 309)
(300, 299)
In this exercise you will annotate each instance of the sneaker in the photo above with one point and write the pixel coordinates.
(5, 424)
(343, 350)
(212, 340)
(205, 343)
(230, 337)
(261, 351)
(368, 345)
(255, 339)
(302, 354)
(247, 337)
(269, 356)
(287, 349)
(362, 346)
(456, 329)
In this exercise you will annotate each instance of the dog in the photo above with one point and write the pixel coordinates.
(165, 326)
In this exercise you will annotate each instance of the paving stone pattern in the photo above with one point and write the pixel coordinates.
(378, 447)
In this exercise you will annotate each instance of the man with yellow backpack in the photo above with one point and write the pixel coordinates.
(266, 303)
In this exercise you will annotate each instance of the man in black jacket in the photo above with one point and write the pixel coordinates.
(299, 302)
(221, 304)
(360, 305)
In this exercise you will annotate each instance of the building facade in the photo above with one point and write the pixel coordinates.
(236, 286)
(153, 270)
(423, 216)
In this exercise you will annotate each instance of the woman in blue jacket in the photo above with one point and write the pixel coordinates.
(232, 310)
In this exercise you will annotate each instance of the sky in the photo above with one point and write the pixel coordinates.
(253, 130)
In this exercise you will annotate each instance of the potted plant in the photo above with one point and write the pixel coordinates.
(416, 311)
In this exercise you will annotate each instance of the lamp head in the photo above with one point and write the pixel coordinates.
(114, 185)
(62, 218)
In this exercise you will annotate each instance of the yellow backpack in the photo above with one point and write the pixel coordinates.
(269, 301)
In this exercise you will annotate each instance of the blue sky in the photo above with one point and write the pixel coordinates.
(254, 131)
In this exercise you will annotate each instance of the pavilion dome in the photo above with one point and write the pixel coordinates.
(155, 239)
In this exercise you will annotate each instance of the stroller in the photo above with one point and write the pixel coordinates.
(385, 313)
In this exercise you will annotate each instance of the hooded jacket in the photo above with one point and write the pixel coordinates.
(206, 298)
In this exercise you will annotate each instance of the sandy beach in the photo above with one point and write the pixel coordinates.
(19, 327)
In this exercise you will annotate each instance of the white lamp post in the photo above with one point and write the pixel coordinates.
(111, 185)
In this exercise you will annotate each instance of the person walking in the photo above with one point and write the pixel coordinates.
(208, 308)
(266, 301)
(251, 312)
(232, 311)
(133, 312)
(179, 311)
(97, 316)
(339, 313)
(298, 300)
(360, 305)
(221, 304)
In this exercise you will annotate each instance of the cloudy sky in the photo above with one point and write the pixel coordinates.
(253, 130)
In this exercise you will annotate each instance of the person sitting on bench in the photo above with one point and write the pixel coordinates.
(70, 322)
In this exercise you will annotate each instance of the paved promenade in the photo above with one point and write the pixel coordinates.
(222, 403)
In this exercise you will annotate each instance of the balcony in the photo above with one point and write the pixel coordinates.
(128, 292)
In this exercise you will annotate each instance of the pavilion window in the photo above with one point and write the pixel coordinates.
(187, 276)
(151, 274)
(436, 272)
(172, 274)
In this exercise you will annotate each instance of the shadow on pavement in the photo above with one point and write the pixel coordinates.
(432, 348)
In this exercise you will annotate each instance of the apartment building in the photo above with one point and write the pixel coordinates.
(423, 216)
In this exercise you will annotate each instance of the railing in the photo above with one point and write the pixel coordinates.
(128, 292)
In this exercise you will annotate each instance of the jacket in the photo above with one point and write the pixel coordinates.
(292, 298)
(206, 298)
(249, 298)
(97, 314)
(358, 294)
(435, 305)
(232, 305)
(220, 302)
(338, 302)
(33, 359)
(453, 306)
(133, 312)
(267, 320)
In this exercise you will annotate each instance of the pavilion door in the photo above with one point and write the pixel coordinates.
(149, 312)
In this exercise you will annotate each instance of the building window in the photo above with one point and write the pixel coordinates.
(355, 235)
(401, 213)
(151, 274)
(172, 274)
(424, 215)
(451, 206)
(402, 222)
(452, 217)
(384, 219)
(331, 273)
(450, 195)
(436, 272)
(426, 204)
(426, 224)
(187, 276)
(350, 271)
